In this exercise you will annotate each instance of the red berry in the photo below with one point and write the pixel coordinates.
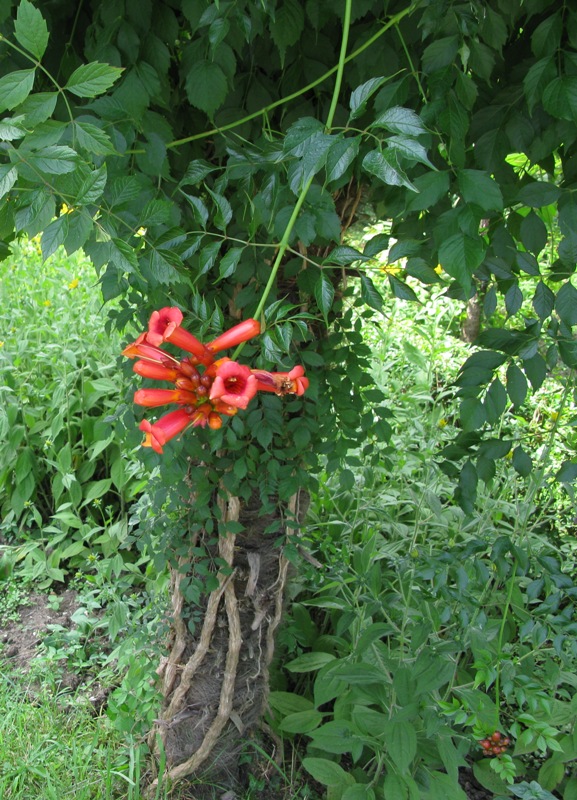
(506, 742)
(496, 737)
(485, 744)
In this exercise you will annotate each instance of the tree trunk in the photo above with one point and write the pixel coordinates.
(215, 682)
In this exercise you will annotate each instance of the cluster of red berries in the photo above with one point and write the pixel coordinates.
(495, 744)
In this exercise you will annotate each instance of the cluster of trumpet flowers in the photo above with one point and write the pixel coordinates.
(206, 388)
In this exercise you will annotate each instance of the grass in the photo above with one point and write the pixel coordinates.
(52, 747)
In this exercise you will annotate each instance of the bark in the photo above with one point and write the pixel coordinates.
(471, 326)
(215, 682)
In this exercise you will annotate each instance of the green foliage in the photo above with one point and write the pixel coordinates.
(64, 484)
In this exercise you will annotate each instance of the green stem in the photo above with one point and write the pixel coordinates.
(500, 643)
(284, 242)
(205, 134)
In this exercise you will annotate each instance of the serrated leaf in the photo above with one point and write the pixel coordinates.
(460, 255)
(208, 256)
(538, 194)
(431, 187)
(199, 210)
(37, 108)
(30, 29)
(568, 472)
(566, 304)
(479, 188)
(340, 156)
(472, 414)
(370, 294)
(516, 385)
(229, 261)
(401, 290)
(90, 80)
(206, 86)
(400, 120)
(376, 244)
(409, 148)
(362, 94)
(223, 210)
(55, 159)
(287, 26)
(15, 88)
(386, 167)
(92, 187)
(80, 225)
(344, 255)
(123, 255)
(54, 236)
(196, 172)
(324, 294)
(93, 139)
(8, 176)
(522, 462)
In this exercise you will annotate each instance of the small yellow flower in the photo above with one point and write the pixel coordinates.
(442, 422)
(438, 269)
(66, 209)
(140, 232)
(47, 303)
(73, 284)
(1, 344)
(509, 455)
(554, 416)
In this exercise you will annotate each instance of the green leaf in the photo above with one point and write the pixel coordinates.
(301, 721)
(223, 210)
(344, 255)
(37, 108)
(538, 194)
(36, 216)
(199, 210)
(340, 156)
(229, 262)
(560, 98)
(8, 176)
(334, 737)
(287, 26)
(400, 120)
(370, 294)
(30, 29)
(309, 662)
(93, 139)
(568, 472)
(206, 86)
(513, 299)
(196, 172)
(54, 236)
(376, 244)
(538, 76)
(477, 187)
(543, 301)
(15, 88)
(533, 233)
(472, 414)
(92, 187)
(566, 304)
(326, 772)
(362, 94)
(409, 148)
(324, 294)
(440, 53)
(495, 401)
(431, 187)
(522, 462)
(55, 159)
(386, 167)
(360, 791)
(90, 80)
(288, 702)
(401, 743)
(536, 370)
(460, 255)
(401, 290)
(516, 385)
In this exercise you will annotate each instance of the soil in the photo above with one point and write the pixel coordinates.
(20, 639)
